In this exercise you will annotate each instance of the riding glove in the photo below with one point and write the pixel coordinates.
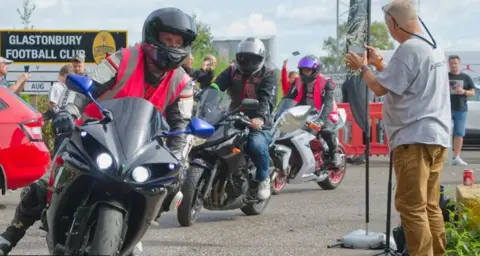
(63, 123)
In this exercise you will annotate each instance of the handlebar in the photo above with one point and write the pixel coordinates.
(241, 118)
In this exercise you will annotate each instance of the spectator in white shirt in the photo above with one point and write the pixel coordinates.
(59, 88)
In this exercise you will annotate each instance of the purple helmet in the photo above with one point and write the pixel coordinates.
(310, 62)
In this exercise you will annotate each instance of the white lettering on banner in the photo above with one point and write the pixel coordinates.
(44, 40)
(33, 54)
(29, 54)
(69, 54)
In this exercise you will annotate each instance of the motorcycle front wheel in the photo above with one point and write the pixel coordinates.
(192, 190)
(258, 208)
(108, 232)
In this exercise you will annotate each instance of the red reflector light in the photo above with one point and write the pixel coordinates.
(33, 130)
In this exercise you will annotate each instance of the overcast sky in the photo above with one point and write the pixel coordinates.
(298, 25)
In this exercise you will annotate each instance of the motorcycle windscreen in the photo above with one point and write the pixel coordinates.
(136, 121)
(213, 105)
(285, 104)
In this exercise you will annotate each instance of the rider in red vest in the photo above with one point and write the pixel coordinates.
(314, 89)
(150, 70)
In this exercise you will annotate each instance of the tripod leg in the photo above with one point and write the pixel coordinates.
(335, 245)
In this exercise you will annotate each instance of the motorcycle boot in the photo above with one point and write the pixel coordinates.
(336, 159)
(264, 189)
(28, 211)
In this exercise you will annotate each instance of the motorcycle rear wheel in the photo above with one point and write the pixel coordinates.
(192, 203)
(335, 178)
(278, 183)
(108, 232)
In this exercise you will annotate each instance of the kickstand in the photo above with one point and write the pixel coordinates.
(335, 245)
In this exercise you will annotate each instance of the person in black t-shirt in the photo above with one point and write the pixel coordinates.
(461, 87)
(205, 74)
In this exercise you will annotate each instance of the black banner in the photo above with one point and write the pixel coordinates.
(49, 46)
(354, 88)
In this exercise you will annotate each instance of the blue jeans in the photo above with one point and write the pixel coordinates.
(258, 142)
(459, 119)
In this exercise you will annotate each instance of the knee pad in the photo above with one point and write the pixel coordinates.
(33, 200)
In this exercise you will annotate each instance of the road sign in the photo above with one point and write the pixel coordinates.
(37, 88)
(40, 73)
(59, 46)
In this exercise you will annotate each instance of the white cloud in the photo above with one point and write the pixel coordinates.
(255, 25)
(43, 4)
(321, 13)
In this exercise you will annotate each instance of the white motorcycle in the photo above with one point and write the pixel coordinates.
(299, 156)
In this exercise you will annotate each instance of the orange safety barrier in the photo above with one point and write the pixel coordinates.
(353, 141)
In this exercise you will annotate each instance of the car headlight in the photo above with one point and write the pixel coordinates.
(104, 161)
(140, 174)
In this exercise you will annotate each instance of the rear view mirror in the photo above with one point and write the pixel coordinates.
(78, 83)
(84, 85)
(250, 104)
(200, 128)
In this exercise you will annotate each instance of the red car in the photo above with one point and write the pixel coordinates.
(24, 158)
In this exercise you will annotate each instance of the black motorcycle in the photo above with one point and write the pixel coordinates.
(221, 175)
(110, 178)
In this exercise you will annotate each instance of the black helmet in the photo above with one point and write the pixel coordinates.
(171, 20)
(250, 55)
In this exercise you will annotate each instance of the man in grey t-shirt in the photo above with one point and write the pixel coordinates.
(417, 119)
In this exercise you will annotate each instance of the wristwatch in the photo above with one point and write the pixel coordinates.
(363, 69)
(379, 64)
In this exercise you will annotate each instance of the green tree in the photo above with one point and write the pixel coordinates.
(26, 17)
(203, 43)
(333, 62)
(26, 13)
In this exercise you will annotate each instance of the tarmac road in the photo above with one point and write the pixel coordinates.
(302, 220)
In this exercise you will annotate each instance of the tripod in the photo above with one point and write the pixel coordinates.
(387, 250)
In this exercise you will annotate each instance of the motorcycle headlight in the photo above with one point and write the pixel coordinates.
(104, 161)
(140, 174)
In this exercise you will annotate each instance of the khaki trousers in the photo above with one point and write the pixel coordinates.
(417, 170)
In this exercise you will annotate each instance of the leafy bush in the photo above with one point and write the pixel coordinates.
(463, 235)
(40, 102)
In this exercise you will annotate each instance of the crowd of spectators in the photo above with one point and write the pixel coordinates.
(203, 76)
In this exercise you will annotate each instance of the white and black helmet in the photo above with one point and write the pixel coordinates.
(250, 56)
(170, 20)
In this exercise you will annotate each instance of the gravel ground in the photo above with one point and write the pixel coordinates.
(302, 220)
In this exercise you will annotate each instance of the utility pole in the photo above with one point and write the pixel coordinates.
(338, 25)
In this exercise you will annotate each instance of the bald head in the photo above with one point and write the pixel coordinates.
(403, 11)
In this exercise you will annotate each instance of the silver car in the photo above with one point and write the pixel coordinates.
(472, 136)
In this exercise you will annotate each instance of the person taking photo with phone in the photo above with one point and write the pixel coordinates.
(205, 74)
(417, 119)
(16, 87)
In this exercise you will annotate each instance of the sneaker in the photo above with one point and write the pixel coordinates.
(458, 161)
(264, 190)
(5, 246)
